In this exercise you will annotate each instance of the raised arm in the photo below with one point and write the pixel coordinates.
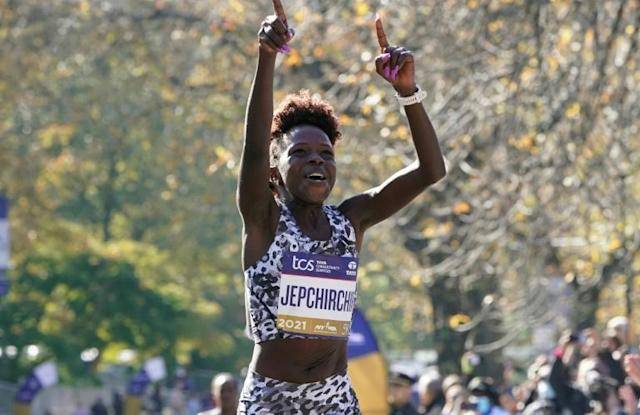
(253, 191)
(396, 65)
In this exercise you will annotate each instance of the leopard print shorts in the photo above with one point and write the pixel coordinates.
(333, 395)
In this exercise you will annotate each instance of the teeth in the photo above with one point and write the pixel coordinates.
(316, 176)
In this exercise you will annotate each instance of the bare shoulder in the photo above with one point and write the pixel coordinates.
(350, 207)
(353, 208)
(259, 234)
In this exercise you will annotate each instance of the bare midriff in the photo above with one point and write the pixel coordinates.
(300, 360)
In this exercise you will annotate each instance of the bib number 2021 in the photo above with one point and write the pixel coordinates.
(289, 324)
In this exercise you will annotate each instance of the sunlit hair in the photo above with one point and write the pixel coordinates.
(298, 109)
(219, 380)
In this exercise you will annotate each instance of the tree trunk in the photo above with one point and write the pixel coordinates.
(445, 300)
(108, 197)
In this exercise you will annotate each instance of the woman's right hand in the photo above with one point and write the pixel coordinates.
(632, 367)
(275, 33)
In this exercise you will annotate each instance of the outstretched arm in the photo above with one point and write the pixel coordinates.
(253, 192)
(396, 65)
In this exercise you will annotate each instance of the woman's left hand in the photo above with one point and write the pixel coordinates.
(395, 63)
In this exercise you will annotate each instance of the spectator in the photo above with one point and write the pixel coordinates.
(430, 394)
(99, 408)
(589, 344)
(224, 388)
(117, 403)
(455, 399)
(177, 400)
(629, 395)
(619, 327)
(611, 359)
(449, 381)
(567, 396)
(540, 407)
(484, 397)
(400, 394)
(193, 404)
(508, 402)
(632, 367)
(602, 393)
(157, 403)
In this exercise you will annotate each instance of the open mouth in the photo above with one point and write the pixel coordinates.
(316, 177)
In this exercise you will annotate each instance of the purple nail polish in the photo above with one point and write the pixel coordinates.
(386, 72)
(286, 48)
(394, 73)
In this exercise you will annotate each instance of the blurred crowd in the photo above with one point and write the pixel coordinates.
(588, 372)
(99, 407)
(182, 399)
(178, 398)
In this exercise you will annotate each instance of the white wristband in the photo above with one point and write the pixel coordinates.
(418, 96)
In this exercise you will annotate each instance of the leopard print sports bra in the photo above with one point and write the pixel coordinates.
(262, 280)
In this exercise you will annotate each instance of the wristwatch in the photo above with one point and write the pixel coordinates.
(417, 96)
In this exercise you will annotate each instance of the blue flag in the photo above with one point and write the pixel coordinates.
(4, 245)
(4, 283)
(42, 376)
(29, 389)
(367, 368)
(138, 383)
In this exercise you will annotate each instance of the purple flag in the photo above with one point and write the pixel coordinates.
(29, 389)
(138, 384)
(4, 245)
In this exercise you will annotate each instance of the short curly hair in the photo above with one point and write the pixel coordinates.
(297, 109)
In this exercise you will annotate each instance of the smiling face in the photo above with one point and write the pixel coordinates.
(306, 165)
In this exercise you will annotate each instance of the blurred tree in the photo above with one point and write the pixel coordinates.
(112, 128)
(70, 303)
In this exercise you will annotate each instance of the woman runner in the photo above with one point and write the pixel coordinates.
(299, 255)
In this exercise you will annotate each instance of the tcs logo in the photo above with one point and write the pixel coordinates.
(302, 264)
(352, 265)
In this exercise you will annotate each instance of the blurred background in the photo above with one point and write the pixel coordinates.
(121, 127)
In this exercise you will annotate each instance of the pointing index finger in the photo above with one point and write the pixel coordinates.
(279, 9)
(382, 37)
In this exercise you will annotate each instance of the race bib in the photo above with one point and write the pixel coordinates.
(317, 294)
